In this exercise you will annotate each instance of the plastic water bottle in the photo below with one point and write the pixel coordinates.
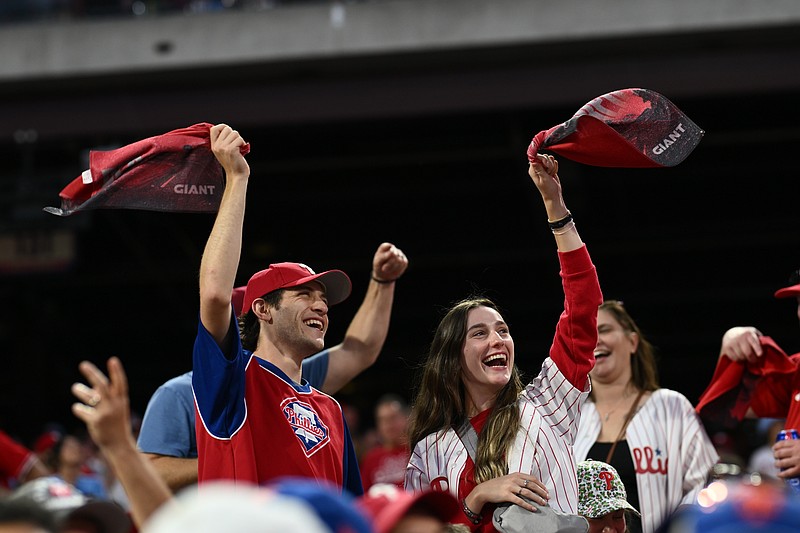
(790, 434)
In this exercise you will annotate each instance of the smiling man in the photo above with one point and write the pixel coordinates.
(257, 420)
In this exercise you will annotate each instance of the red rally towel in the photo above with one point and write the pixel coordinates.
(175, 171)
(625, 128)
(729, 394)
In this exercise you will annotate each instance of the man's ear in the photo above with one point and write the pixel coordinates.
(261, 309)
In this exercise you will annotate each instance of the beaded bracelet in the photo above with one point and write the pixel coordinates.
(473, 517)
(560, 223)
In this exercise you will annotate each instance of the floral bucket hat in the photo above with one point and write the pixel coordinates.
(600, 490)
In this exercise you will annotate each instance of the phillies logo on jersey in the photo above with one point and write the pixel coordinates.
(307, 426)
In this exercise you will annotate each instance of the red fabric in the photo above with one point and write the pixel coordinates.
(467, 483)
(386, 508)
(382, 465)
(576, 331)
(237, 298)
(175, 171)
(14, 459)
(625, 128)
(768, 386)
(778, 396)
(46, 441)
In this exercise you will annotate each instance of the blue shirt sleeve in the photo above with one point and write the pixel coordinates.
(168, 423)
(218, 381)
(352, 475)
(315, 369)
(91, 486)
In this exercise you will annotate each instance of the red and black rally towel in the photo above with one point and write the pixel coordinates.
(625, 128)
(175, 171)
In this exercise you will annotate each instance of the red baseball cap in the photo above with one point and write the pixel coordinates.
(788, 292)
(237, 298)
(285, 275)
(386, 505)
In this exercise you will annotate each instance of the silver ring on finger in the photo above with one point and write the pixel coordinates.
(525, 483)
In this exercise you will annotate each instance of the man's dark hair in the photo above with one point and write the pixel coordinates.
(248, 323)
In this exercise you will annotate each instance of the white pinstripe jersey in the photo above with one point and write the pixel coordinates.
(549, 411)
(671, 452)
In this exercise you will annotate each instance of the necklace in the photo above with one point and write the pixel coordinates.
(617, 405)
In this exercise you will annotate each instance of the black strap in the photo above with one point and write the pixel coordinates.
(628, 418)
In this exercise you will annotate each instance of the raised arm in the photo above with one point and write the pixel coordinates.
(576, 333)
(106, 412)
(367, 331)
(223, 249)
(544, 173)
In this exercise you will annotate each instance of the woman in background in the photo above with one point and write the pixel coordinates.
(651, 435)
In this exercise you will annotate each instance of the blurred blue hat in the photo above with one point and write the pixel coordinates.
(335, 508)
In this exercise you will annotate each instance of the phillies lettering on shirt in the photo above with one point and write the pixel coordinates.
(647, 461)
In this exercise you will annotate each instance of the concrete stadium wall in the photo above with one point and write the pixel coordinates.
(107, 47)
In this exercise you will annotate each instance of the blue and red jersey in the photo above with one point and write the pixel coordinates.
(254, 424)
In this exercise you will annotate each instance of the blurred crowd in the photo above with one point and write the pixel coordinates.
(39, 10)
(62, 483)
